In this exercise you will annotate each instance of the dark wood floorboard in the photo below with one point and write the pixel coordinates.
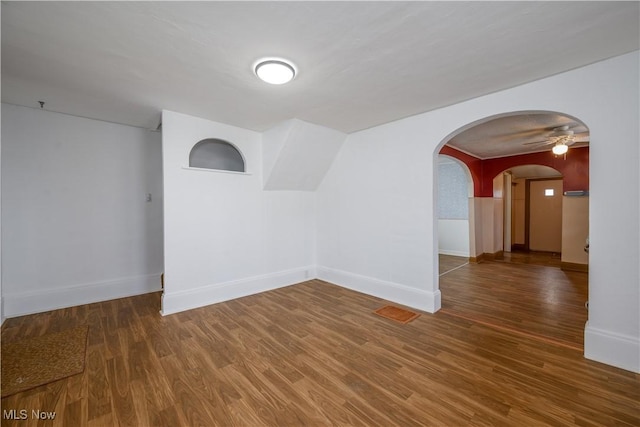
(314, 354)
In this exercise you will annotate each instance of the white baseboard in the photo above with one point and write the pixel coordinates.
(206, 295)
(618, 350)
(19, 304)
(453, 253)
(411, 297)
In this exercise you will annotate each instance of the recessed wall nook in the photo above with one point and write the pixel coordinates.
(217, 155)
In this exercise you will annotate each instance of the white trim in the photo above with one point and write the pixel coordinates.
(212, 294)
(19, 304)
(411, 297)
(453, 253)
(622, 351)
(191, 168)
(87, 117)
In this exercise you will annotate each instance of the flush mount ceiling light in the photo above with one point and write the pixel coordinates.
(275, 71)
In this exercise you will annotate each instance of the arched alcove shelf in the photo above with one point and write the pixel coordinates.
(216, 155)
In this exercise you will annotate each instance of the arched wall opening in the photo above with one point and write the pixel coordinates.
(487, 208)
(574, 166)
(498, 214)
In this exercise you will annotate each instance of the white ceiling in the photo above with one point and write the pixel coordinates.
(360, 64)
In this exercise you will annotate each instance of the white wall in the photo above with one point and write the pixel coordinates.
(297, 155)
(376, 219)
(453, 237)
(224, 236)
(76, 225)
(1, 293)
(377, 231)
(486, 228)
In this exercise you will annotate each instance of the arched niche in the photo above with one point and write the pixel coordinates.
(217, 154)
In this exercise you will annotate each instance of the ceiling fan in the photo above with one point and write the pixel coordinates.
(561, 138)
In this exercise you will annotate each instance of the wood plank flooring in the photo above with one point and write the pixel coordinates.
(449, 263)
(526, 293)
(314, 354)
(549, 259)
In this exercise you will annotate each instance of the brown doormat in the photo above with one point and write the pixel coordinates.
(397, 314)
(37, 361)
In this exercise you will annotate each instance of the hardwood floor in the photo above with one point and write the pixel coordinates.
(549, 259)
(525, 293)
(314, 354)
(449, 263)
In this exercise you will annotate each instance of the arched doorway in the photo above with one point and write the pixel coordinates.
(501, 219)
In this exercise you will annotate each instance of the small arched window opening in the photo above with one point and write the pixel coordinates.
(212, 153)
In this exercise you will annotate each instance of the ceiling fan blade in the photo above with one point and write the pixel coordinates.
(582, 136)
(525, 134)
(538, 142)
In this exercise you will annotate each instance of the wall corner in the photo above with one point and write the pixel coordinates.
(613, 349)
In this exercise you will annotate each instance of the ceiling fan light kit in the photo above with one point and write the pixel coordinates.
(560, 148)
(560, 138)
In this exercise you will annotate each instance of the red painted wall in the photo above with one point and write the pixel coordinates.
(574, 169)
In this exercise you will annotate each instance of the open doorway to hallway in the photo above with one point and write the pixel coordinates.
(522, 288)
(515, 276)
